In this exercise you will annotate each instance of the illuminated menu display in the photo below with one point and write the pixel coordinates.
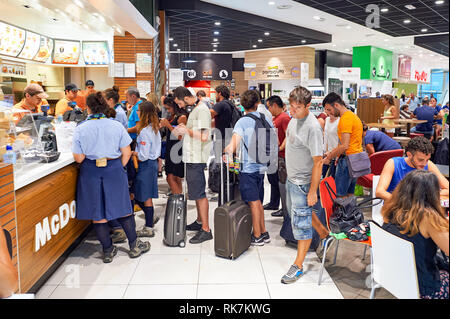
(66, 52)
(95, 53)
(31, 46)
(45, 50)
(12, 40)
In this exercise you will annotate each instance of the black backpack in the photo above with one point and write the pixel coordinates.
(441, 154)
(268, 142)
(235, 114)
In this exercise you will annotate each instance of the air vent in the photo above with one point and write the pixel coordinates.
(410, 7)
(284, 6)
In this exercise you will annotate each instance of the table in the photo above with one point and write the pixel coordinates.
(383, 127)
(408, 123)
(443, 169)
(402, 140)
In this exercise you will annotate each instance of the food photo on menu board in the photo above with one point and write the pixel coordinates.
(45, 50)
(95, 52)
(66, 52)
(31, 46)
(12, 39)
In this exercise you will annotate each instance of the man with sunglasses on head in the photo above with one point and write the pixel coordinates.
(418, 153)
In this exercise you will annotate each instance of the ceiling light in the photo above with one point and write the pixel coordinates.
(216, 32)
(334, 45)
(303, 41)
(217, 23)
(384, 10)
(386, 40)
(266, 33)
(284, 6)
(215, 45)
(26, 6)
(178, 49)
(318, 18)
(255, 46)
(424, 30)
(188, 59)
(170, 39)
(439, 2)
(175, 45)
(54, 19)
(214, 50)
(85, 26)
(271, 3)
(260, 40)
(410, 7)
(79, 3)
(348, 50)
(215, 40)
(119, 30)
(407, 21)
(348, 27)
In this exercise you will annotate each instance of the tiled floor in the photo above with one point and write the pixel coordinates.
(195, 272)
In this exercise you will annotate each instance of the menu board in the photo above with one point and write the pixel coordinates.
(95, 53)
(66, 52)
(31, 46)
(45, 50)
(12, 39)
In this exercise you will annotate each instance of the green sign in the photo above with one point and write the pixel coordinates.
(375, 63)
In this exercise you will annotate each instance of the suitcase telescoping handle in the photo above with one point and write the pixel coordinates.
(222, 197)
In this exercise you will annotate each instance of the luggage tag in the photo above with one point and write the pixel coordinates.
(101, 162)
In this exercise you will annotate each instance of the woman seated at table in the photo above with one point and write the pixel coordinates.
(390, 112)
(8, 274)
(414, 213)
(377, 141)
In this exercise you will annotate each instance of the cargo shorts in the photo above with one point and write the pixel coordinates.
(299, 211)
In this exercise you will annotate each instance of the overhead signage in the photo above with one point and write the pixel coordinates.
(66, 52)
(249, 65)
(95, 52)
(375, 63)
(45, 50)
(420, 72)
(31, 47)
(12, 39)
(349, 74)
(295, 72)
(273, 72)
(209, 67)
(404, 67)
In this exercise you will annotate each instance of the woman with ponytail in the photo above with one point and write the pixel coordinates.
(102, 147)
(112, 98)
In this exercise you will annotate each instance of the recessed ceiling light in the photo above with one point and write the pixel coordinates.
(178, 49)
(384, 10)
(271, 3)
(217, 23)
(54, 19)
(407, 21)
(170, 39)
(318, 18)
(303, 41)
(334, 45)
(348, 27)
(79, 3)
(284, 6)
(348, 50)
(216, 32)
(424, 30)
(431, 54)
(410, 7)
(119, 30)
(439, 2)
(266, 33)
(386, 40)
(215, 46)
(175, 45)
(215, 50)
(27, 6)
(215, 40)
(255, 46)
(260, 40)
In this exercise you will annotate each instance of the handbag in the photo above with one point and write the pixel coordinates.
(347, 213)
(358, 164)
(282, 171)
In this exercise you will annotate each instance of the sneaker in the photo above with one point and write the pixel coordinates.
(145, 232)
(266, 237)
(257, 241)
(195, 226)
(321, 248)
(109, 256)
(118, 236)
(201, 236)
(292, 275)
(139, 248)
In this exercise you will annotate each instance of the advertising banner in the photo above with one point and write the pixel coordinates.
(66, 52)
(95, 53)
(209, 67)
(404, 67)
(375, 63)
(420, 71)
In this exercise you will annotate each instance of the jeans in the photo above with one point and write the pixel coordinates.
(344, 184)
(300, 212)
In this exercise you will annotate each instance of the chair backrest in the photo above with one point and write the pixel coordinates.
(325, 199)
(393, 262)
(8, 242)
(378, 159)
(376, 210)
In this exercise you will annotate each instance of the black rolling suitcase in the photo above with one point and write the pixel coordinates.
(232, 227)
(175, 219)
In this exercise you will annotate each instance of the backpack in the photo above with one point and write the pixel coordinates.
(235, 114)
(441, 154)
(268, 142)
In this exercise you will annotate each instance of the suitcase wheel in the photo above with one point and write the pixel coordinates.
(182, 244)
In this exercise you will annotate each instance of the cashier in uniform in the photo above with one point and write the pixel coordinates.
(102, 147)
(34, 98)
(67, 103)
(82, 95)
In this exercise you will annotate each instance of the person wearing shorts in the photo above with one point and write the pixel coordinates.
(196, 149)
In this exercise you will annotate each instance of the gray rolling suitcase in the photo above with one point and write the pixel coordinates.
(175, 219)
(232, 227)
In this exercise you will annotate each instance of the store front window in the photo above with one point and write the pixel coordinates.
(438, 86)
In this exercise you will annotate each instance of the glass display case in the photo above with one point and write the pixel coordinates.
(30, 136)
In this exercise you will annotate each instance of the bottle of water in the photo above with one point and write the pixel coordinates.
(10, 156)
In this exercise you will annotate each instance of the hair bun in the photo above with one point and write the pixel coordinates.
(116, 88)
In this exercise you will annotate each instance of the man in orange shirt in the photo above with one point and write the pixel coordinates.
(68, 102)
(34, 98)
(350, 132)
(82, 95)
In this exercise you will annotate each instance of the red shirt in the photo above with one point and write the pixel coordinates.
(281, 123)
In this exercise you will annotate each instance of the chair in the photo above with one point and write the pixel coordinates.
(8, 242)
(413, 135)
(327, 203)
(377, 161)
(376, 210)
(393, 265)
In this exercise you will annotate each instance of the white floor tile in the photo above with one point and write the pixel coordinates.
(233, 291)
(161, 292)
(67, 267)
(246, 269)
(167, 269)
(46, 291)
(300, 290)
(89, 292)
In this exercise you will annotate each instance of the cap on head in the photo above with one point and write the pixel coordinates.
(71, 87)
(35, 89)
(89, 83)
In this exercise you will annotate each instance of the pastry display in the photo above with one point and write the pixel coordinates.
(45, 50)
(12, 40)
(66, 52)
(31, 46)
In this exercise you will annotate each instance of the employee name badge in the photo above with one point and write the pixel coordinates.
(101, 162)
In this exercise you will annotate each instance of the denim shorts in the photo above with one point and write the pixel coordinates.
(344, 184)
(251, 186)
(300, 212)
(196, 182)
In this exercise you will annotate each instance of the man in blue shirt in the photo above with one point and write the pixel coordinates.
(133, 98)
(428, 113)
(377, 141)
(413, 102)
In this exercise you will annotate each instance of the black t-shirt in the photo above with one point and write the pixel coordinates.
(223, 118)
